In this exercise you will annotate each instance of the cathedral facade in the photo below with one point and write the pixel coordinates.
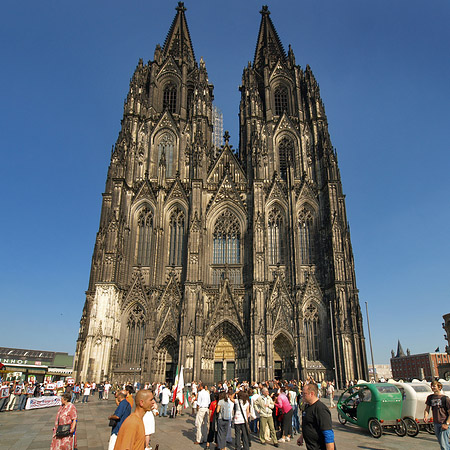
(230, 263)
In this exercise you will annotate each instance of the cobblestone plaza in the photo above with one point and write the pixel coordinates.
(32, 430)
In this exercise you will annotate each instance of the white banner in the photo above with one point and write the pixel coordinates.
(43, 402)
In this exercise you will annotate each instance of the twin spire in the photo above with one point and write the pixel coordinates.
(178, 42)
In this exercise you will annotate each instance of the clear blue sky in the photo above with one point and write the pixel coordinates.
(383, 69)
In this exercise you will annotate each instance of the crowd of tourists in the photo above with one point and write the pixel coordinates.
(269, 412)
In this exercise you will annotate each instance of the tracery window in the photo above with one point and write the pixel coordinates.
(276, 237)
(165, 153)
(311, 326)
(144, 236)
(305, 223)
(170, 98)
(285, 150)
(135, 335)
(281, 100)
(226, 239)
(176, 226)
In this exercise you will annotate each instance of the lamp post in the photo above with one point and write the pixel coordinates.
(370, 342)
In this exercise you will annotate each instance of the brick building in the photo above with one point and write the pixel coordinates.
(423, 365)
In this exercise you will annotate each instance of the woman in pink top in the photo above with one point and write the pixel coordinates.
(286, 408)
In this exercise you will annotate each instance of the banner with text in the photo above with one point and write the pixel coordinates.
(43, 402)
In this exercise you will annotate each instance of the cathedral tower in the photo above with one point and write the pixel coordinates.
(233, 264)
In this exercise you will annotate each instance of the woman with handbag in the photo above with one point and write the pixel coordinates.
(241, 428)
(66, 421)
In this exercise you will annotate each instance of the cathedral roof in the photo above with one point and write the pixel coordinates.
(178, 41)
(268, 41)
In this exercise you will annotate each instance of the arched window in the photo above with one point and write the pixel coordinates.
(281, 100)
(170, 98)
(285, 151)
(305, 223)
(311, 326)
(276, 237)
(165, 153)
(144, 236)
(226, 239)
(135, 336)
(176, 225)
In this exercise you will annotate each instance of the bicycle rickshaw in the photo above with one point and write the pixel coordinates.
(375, 406)
(414, 397)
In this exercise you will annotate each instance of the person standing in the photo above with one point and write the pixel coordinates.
(149, 424)
(287, 411)
(132, 432)
(165, 398)
(122, 411)
(223, 412)
(330, 394)
(241, 413)
(86, 393)
(15, 395)
(317, 430)
(67, 414)
(264, 405)
(23, 397)
(201, 420)
(440, 406)
(107, 388)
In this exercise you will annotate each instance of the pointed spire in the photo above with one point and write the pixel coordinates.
(400, 351)
(268, 44)
(178, 41)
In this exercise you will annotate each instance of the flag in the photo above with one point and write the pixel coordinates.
(180, 386)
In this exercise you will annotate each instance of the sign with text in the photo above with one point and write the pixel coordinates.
(43, 402)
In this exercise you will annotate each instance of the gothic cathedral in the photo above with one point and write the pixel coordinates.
(230, 263)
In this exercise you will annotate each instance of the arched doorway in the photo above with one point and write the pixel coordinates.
(165, 360)
(219, 345)
(283, 358)
(224, 360)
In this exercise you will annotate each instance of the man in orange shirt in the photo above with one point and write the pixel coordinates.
(132, 433)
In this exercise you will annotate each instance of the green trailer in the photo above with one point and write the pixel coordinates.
(374, 406)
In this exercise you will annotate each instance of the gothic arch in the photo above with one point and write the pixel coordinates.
(132, 334)
(276, 235)
(281, 97)
(165, 140)
(314, 324)
(283, 356)
(143, 219)
(226, 328)
(165, 358)
(176, 226)
(229, 330)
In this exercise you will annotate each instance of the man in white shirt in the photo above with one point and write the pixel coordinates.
(201, 420)
(107, 388)
(165, 398)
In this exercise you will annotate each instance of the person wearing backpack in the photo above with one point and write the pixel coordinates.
(223, 412)
(440, 406)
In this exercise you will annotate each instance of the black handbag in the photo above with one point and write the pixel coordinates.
(113, 422)
(63, 431)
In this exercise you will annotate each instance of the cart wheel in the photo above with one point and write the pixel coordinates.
(430, 428)
(375, 428)
(412, 428)
(343, 420)
(400, 428)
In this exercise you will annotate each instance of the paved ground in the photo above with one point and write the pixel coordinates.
(23, 430)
